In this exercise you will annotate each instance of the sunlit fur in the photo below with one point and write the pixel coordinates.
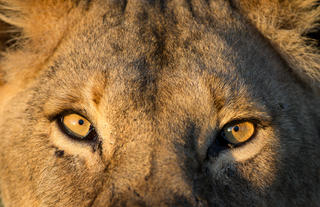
(286, 24)
(159, 80)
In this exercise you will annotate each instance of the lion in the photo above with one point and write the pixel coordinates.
(159, 103)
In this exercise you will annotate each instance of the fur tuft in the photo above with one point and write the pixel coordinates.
(40, 25)
(36, 19)
(285, 23)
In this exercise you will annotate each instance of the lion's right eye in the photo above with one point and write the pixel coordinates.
(77, 127)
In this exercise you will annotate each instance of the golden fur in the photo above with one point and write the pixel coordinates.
(285, 24)
(159, 80)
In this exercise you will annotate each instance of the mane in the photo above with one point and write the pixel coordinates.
(42, 23)
(286, 24)
(36, 18)
(34, 28)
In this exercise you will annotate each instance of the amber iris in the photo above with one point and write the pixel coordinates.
(239, 132)
(76, 125)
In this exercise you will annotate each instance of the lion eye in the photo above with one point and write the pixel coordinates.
(239, 132)
(76, 126)
(232, 135)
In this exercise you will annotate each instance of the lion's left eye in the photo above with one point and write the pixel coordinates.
(238, 133)
(232, 135)
(76, 126)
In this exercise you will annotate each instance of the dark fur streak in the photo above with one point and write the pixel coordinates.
(160, 52)
(190, 7)
(96, 96)
(93, 200)
(162, 5)
(100, 147)
(143, 16)
(233, 5)
(88, 3)
(207, 2)
(152, 167)
(59, 153)
(104, 18)
(96, 144)
(77, 2)
(136, 193)
(124, 5)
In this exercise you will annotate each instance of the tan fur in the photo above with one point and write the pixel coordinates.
(42, 25)
(285, 24)
(159, 80)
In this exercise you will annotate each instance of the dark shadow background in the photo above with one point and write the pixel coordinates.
(316, 34)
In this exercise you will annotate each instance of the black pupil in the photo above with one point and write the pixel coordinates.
(236, 128)
(81, 122)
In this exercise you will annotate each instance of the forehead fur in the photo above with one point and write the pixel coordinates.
(42, 24)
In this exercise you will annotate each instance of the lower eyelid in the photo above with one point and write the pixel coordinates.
(81, 149)
(241, 153)
(91, 137)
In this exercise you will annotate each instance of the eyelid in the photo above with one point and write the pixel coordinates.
(258, 123)
(80, 112)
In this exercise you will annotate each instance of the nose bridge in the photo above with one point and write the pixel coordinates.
(155, 151)
(167, 167)
(152, 158)
(147, 165)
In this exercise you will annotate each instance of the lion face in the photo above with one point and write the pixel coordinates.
(155, 104)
